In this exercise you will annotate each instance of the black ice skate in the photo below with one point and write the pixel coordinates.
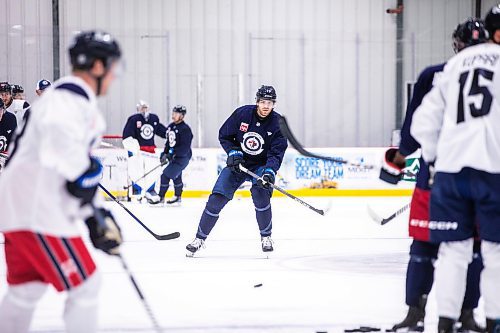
(414, 321)
(468, 323)
(267, 244)
(195, 246)
(176, 201)
(446, 325)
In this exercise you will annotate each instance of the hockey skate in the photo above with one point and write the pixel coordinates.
(468, 323)
(175, 201)
(414, 320)
(152, 197)
(267, 244)
(446, 325)
(195, 246)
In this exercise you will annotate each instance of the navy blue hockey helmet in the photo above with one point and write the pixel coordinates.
(5, 87)
(180, 109)
(492, 20)
(266, 92)
(17, 89)
(89, 46)
(468, 33)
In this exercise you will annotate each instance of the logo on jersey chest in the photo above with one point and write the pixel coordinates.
(147, 131)
(3, 143)
(253, 143)
(243, 127)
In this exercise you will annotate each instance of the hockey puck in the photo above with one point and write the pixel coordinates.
(258, 285)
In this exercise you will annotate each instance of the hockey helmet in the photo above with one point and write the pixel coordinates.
(492, 20)
(43, 84)
(89, 46)
(180, 109)
(17, 89)
(266, 92)
(142, 104)
(5, 87)
(468, 33)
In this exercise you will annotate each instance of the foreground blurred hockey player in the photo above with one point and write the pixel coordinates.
(251, 137)
(177, 153)
(423, 254)
(51, 159)
(458, 128)
(139, 139)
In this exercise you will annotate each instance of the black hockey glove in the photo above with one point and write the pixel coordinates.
(234, 159)
(268, 177)
(392, 170)
(167, 155)
(86, 185)
(105, 234)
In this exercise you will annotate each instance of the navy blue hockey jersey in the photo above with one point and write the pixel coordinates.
(144, 129)
(408, 144)
(179, 137)
(8, 124)
(260, 140)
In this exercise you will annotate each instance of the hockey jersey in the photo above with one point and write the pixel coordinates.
(144, 129)
(458, 122)
(179, 138)
(260, 140)
(53, 148)
(408, 144)
(8, 124)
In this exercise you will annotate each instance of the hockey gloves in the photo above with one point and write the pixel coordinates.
(167, 155)
(104, 232)
(234, 159)
(268, 177)
(86, 185)
(392, 166)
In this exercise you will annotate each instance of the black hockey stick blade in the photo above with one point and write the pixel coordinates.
(287, 132)
(279, 189)
(172, 235)
(380, 220)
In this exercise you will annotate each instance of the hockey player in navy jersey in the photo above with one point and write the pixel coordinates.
(138, 135)
(177, 153)
(423, 253)
(458, 127)
(6, 95)
(8, 126)
(251, 137)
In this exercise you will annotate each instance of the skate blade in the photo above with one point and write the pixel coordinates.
(190, 254)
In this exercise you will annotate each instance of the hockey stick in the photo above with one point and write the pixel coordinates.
(287, 132)
(144, 176)
(380, 220)
(172, 235)
(141, 295)
(276, 187)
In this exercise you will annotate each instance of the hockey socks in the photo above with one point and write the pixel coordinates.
(210, 214)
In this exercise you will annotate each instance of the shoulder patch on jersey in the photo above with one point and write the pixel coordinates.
(243, 127)
(74, 89)
(138, 124)
(269, 133)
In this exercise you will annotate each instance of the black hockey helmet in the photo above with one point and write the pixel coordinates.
(468, 33)
(88, 46)
(5, 87)
(17, 89)
(180, 109)
(492, 20)
(266, 92)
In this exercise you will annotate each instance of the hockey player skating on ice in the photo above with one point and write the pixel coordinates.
(51, 159)
(423, 253)
(251, 137)
(138, 135)
(458, 128)
(177, 153)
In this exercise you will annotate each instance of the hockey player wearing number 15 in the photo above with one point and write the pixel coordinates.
(251, 137)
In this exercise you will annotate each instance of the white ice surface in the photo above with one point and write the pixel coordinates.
(326, 273)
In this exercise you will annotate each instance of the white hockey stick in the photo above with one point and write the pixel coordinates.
(380, 220)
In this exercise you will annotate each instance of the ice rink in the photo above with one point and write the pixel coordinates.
(327, 274)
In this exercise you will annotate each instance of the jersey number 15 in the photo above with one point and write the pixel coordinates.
(475, 90)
